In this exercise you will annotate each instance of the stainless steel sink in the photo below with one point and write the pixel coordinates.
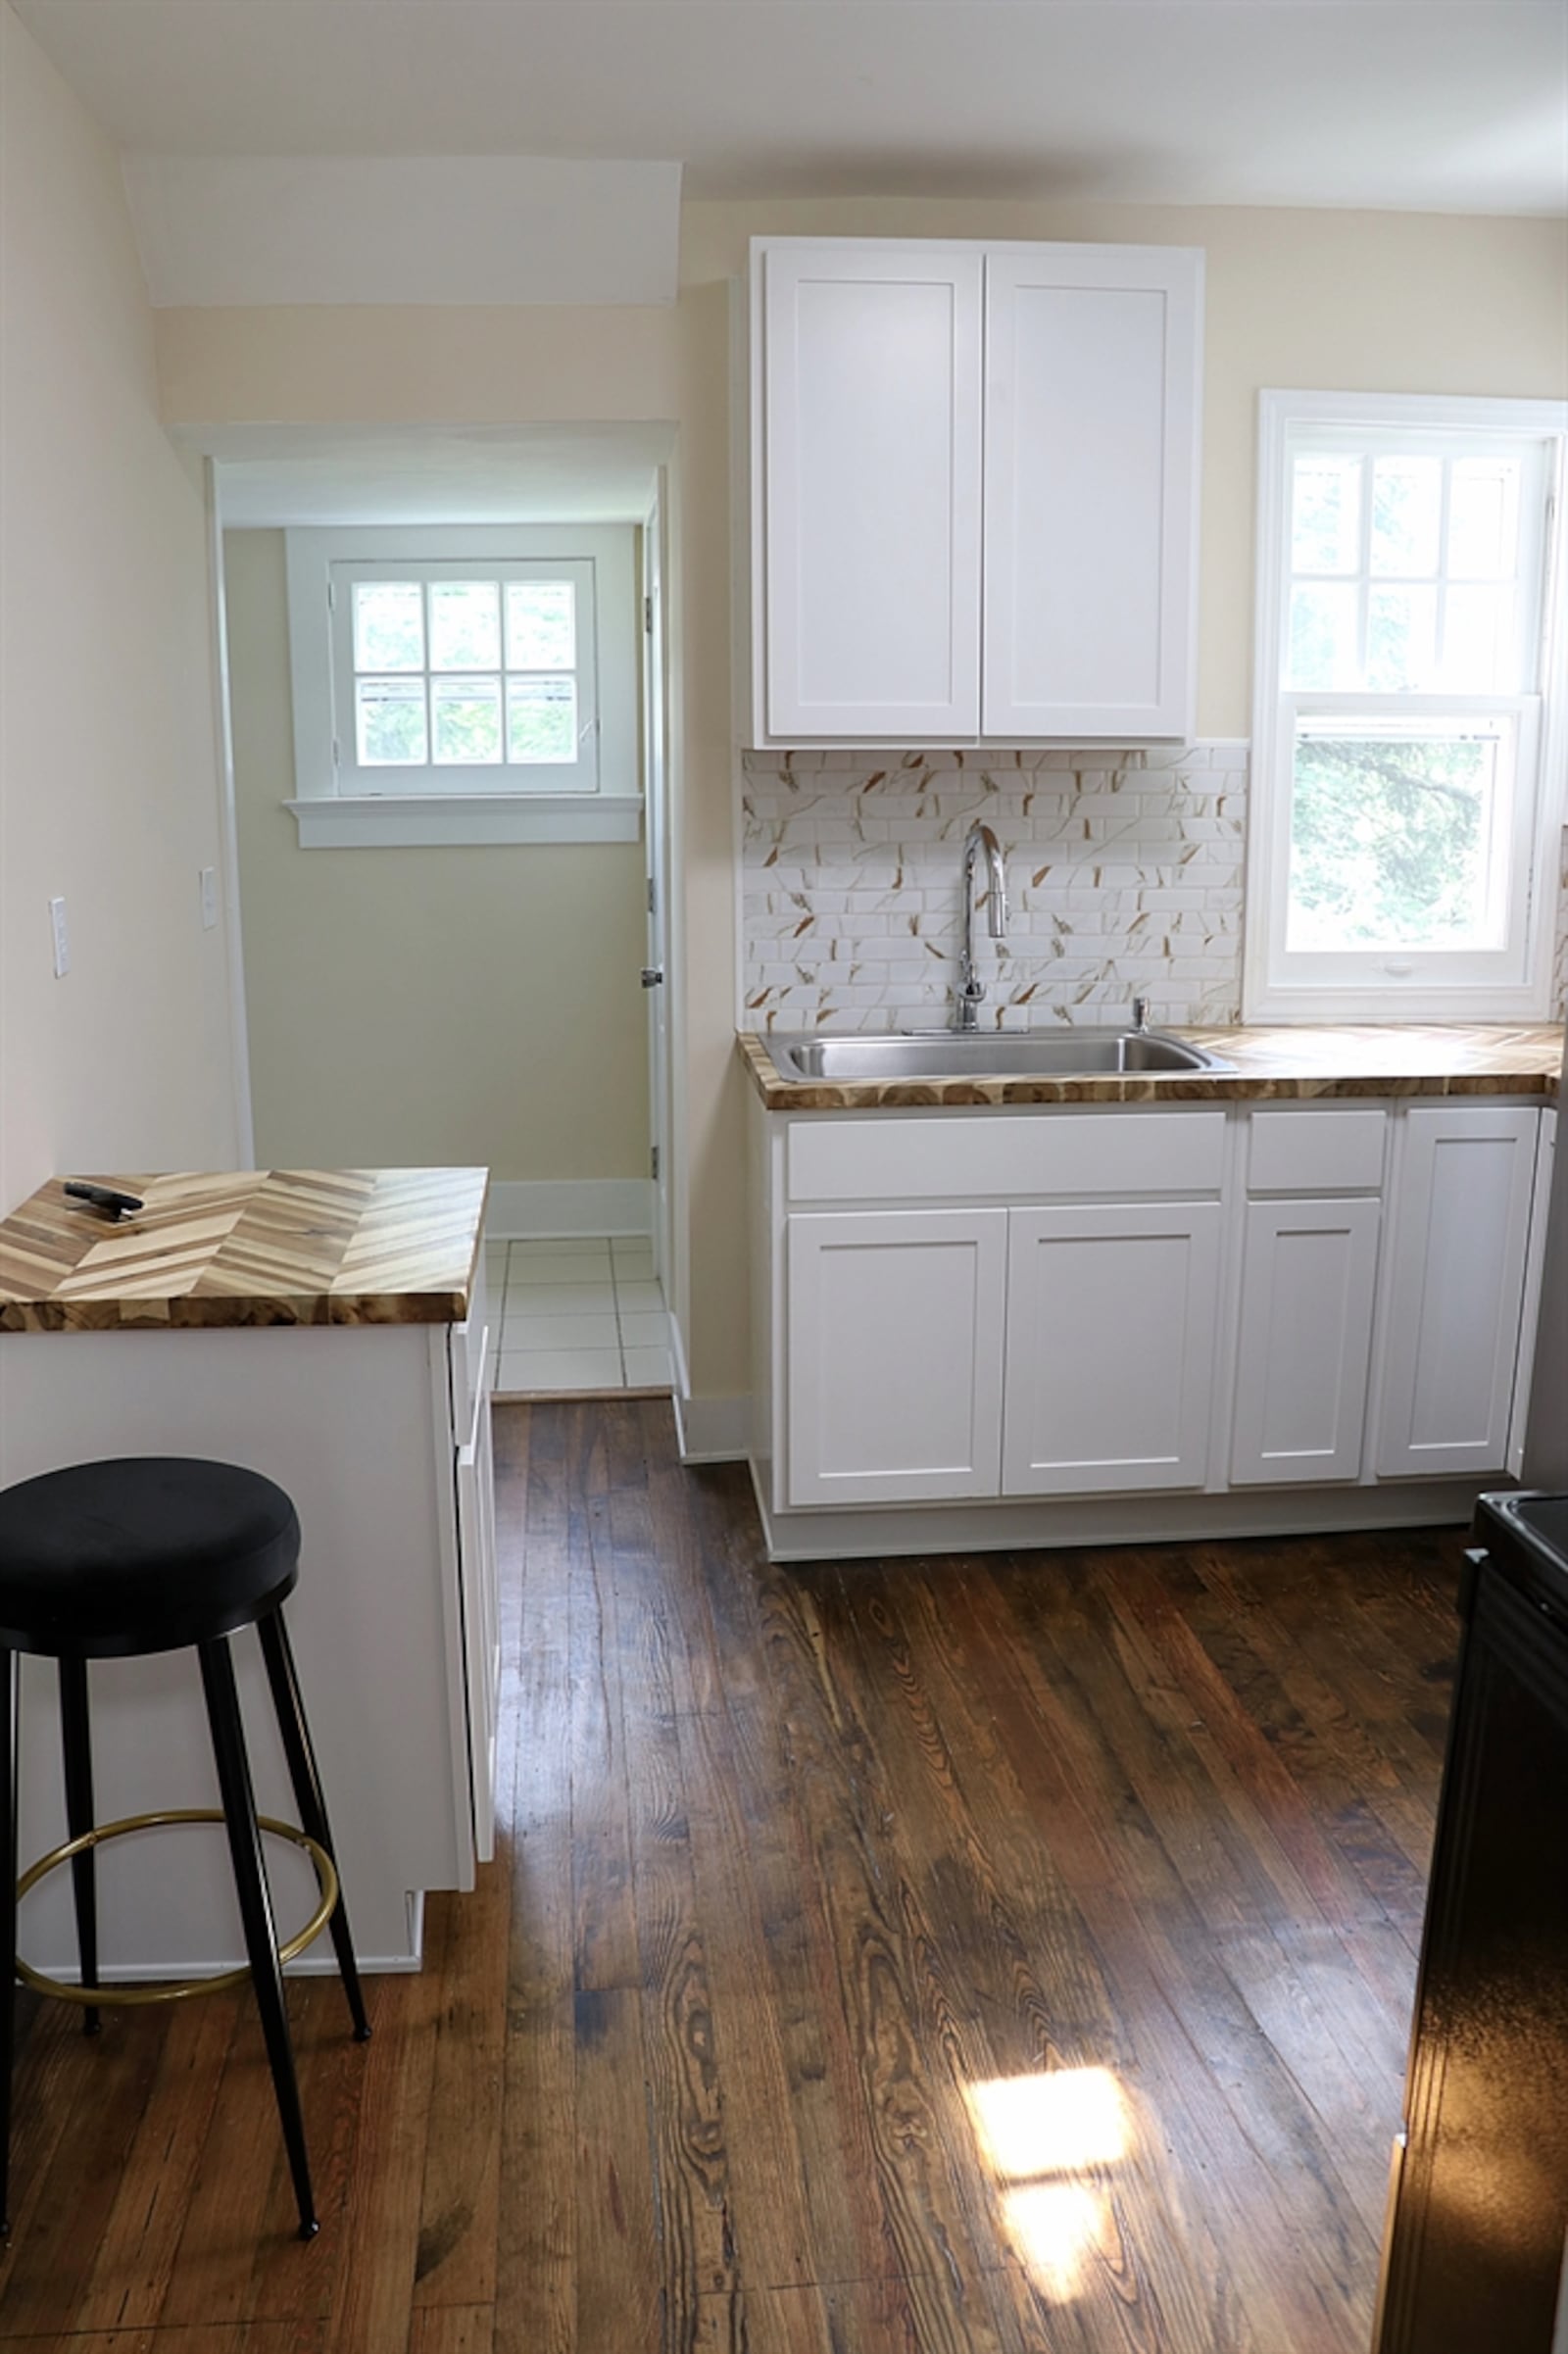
(990, 1055)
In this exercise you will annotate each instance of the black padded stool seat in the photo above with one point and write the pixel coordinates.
(118, 1560)
(153, 1553)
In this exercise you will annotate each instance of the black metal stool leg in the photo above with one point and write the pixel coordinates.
(255, 1908)
(300, 1751)
(77, 1746)
(7, 1918)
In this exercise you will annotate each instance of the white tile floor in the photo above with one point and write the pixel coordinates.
(581, 1313)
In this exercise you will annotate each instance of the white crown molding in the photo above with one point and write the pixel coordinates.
(222, 230)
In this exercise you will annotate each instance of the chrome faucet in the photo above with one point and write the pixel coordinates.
(982, 842)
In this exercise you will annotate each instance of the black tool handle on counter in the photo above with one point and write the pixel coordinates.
(102, 1196)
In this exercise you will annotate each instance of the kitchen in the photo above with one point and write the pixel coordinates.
(1363, 301)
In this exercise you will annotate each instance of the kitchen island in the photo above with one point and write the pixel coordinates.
(327, 1329)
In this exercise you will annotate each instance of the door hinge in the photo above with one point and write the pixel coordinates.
(647, 614)
(334, 752)
(331, 595)
(653, 898)
(653, 1161)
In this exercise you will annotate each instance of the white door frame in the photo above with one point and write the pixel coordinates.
(656, 842)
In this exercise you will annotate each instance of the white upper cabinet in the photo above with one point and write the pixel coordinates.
(1090, 470)
(870, 488)
(974, 481)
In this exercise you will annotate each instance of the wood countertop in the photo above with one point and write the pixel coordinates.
(1270, 1066)
(253, 1246)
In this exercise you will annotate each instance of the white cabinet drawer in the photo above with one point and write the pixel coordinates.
(1316, 1152)
(1115, 1153)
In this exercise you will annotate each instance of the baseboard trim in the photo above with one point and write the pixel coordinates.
(868, 1532)
(713, 1430)
(521, 1211)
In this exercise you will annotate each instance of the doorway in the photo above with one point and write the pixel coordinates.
(442, 963)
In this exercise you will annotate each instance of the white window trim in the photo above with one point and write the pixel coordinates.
(1438, 995)
(328, 819)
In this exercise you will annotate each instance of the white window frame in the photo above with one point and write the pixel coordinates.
(335, 810)
(1512, 983)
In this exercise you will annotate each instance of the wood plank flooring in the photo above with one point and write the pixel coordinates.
(795, 1865)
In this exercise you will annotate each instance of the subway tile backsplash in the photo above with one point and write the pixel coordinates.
(1124, 879)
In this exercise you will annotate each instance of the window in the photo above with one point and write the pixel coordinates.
(1404, 795)
(464, 685)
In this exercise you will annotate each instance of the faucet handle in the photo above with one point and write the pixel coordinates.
(1140, 1014)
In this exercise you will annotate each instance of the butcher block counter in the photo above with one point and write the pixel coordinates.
(1305, 1062)
(327, 1327)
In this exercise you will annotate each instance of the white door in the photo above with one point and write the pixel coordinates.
(895, 1355)
(1112, 1314)
(1460, 1226)
(656, 981)
(868, 445)
(1092, 390)
(1308, 1280)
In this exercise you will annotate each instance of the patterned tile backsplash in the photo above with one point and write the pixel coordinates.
(1124, 879)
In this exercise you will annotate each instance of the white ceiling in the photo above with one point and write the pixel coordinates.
(271, 476)
(1433, 105)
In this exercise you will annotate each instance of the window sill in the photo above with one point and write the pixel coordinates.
(426, 822)
(1386, 1007)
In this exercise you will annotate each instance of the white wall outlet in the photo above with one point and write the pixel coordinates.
(62, 944)
(209, 898)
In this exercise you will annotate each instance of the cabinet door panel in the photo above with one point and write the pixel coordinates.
(1111, 1347)
(1460, 1226)
(870, 441)
(895, 1355)
(1091, 476)
(1308, 1276)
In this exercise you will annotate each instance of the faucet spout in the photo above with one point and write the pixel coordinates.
(981, 842)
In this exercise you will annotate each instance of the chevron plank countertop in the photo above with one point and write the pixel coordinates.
(256, 1247)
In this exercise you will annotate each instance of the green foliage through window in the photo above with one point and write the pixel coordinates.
(1390, 840)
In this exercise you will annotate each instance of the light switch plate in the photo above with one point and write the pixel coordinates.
(209, 898)
(62, 944)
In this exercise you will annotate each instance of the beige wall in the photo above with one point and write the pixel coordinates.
(108, 786)
(425, 1005)
(1361, 301)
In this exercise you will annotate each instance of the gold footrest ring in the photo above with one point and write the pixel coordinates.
(103, 1998)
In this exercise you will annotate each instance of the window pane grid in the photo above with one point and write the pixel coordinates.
(1396, 624)
(429, 687)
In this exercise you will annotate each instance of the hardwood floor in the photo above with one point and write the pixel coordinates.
(797, 1864)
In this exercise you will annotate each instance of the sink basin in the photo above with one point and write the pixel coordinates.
(991, 1054)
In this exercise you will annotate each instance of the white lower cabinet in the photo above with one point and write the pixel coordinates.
(1466, 1183)
(1304, 1343)
(895, 1355)
(1111, 1315)
(1271, 1265)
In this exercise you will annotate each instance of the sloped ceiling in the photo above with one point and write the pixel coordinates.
(1433, 105)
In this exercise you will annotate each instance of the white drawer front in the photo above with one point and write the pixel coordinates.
(1316, 1152)
(1115, 1153)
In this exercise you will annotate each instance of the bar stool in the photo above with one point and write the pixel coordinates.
(118, 1560)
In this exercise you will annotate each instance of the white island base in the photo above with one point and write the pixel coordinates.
(381, 1438)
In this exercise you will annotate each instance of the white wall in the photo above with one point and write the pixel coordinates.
(108, 786)
(412, 1006)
